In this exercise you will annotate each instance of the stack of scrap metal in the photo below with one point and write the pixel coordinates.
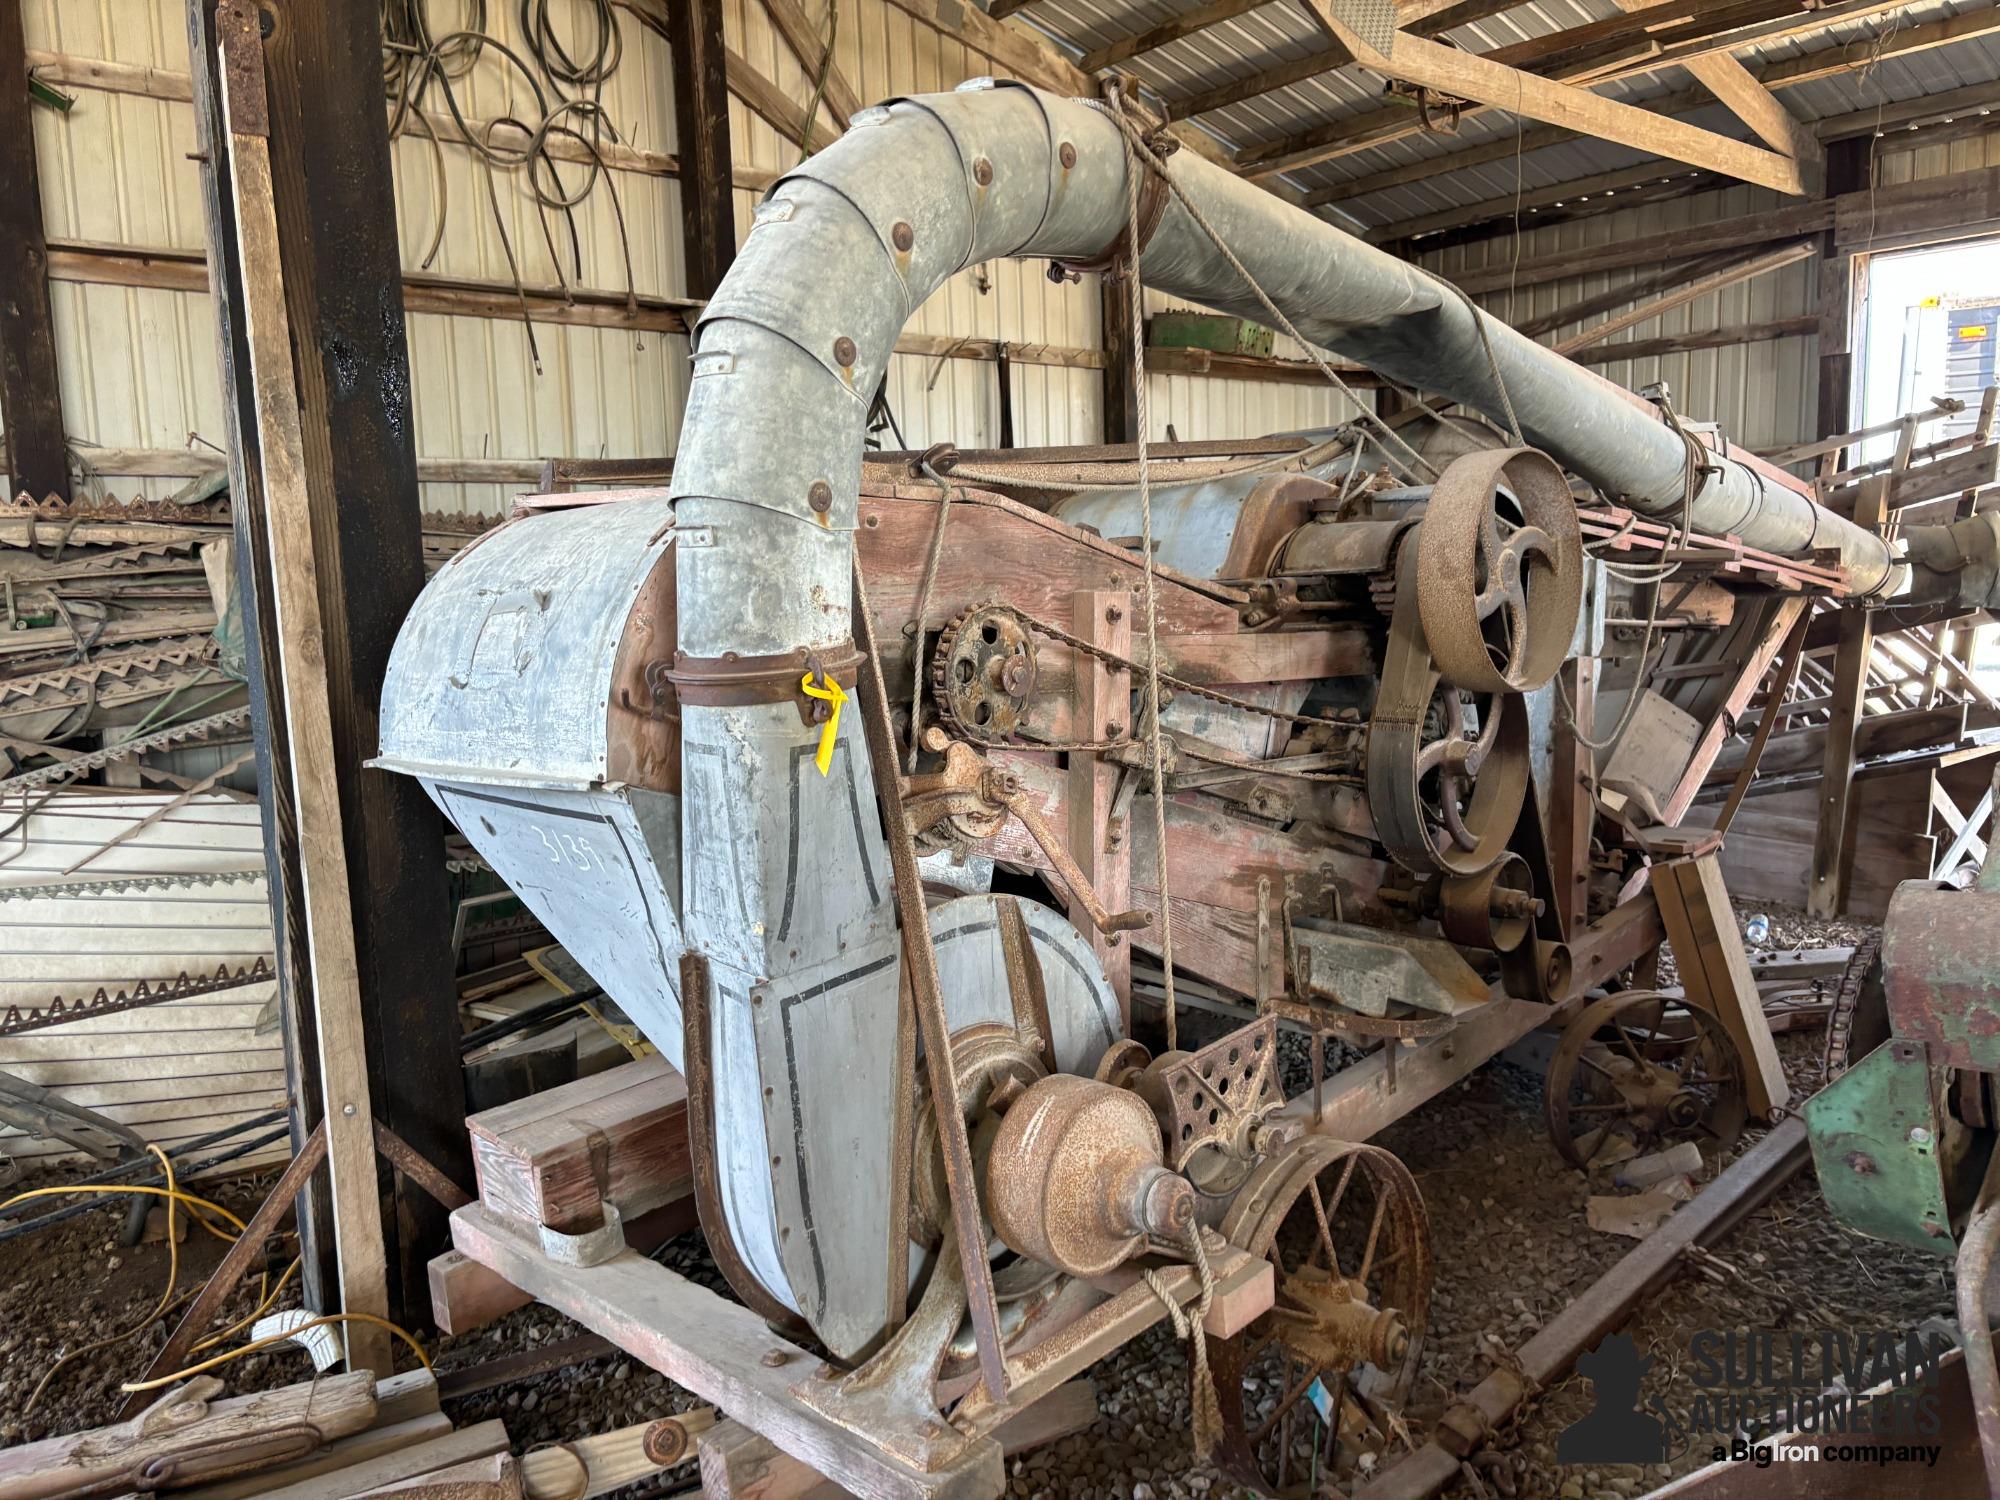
(118, 632)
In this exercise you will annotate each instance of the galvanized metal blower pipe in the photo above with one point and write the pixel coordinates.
(851, 243)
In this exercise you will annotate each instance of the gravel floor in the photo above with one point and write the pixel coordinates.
(1511, 1250)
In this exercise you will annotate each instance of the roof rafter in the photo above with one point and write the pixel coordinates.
(1654, 38)
(1826, 63)
(1421, 17)
(1463, 75)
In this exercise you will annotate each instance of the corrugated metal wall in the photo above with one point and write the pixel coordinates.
(138, 364)
(1764, 394)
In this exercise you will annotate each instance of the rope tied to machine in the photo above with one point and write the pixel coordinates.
(1190, 1326)
(1155, 734)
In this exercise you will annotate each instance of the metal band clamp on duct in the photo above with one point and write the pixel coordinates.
(519, 672)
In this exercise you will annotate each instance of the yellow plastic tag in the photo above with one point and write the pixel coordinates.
(830, 731)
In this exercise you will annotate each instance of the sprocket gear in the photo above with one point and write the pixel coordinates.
(983, 673)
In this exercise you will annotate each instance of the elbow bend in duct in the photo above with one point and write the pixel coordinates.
(847, 246)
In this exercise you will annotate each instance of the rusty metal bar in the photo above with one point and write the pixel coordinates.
(1604, 1305)
(920, 965)
(419, 1169)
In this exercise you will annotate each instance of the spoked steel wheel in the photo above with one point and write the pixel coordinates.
(1646, 1069)
(1309, 1385)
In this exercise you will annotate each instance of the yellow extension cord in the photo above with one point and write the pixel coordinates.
(198, 1209)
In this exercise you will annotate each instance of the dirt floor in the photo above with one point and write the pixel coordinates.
(1512, 1248)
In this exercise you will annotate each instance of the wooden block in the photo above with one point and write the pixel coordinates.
(403, 1397)
(1715, 971)
(486, 1440)
(554, 1158)
(183, 1432)
(737, 1463)
(495, 1476)
(334, 1457)
(607, 1461)
(465, 1295)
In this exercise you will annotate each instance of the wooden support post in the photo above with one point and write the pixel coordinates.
(1774, 707)
(329, 921)
(1573, 800)
(701, 129)
(1121, 384)
(1715, 970)
(1833, 850)
(37, 455)
(1100, 844)
(251, 553)
(1841, 279)
(329, 365)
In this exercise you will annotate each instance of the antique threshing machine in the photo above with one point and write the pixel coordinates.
(837, 770)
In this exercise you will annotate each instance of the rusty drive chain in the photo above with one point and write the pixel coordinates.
(1112, 658)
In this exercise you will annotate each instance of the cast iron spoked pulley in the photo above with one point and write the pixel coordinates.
(1499, 600)
(1344, 1228)
(1645, 1071)
(1447, 767)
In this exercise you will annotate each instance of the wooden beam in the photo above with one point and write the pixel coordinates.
(251, 552)
(1100, 844)
(1701, 924)
(1506, 205)
(1791, 73)
(1752, 103)
(329, 921)
(1121, 382)
(37, 455)
(1419, 17)
(1464, 75)
(1597, 53)
(340, 265)
(182, 270)
(145, 82)
(1686, 343)
(1255, 367)
(236, 1261)
(1020, 52)
(1909, 115)
(1774, 710)
(774, 106)
(1747, 270)
(1756, 106)
(1785, 222)
(701, 132)
(1154, 37)
(1643, 285)
(810, 48)
(1833, 851)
